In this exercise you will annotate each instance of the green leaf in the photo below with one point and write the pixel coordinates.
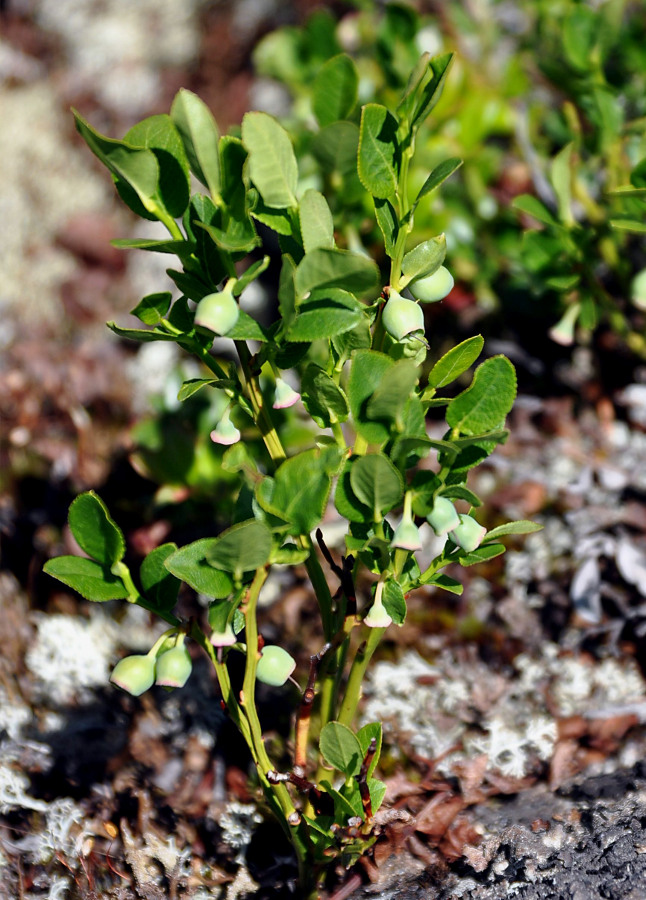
(460, 492)
(152, 308)
(182, 249)
(347, 503)
(336, 147)
(388, 224)
(159, 586)
(189, 564)
(629, 225)
(369, 367)
(340, 748)
(272, 163)
(159, 134)
(317, 226)
(445, 582)
(394, 601)
(301, 489)
(485, 404)
(365, 735)
(247, 329)
(239, 237)
(579, 32)
(143, 335)
(439, 175)
(533, 207)
(390, 396)
(343, 807)
(376, 482)
(289, 555)
(136, 167)
(561, 177)
(242, 548)
(335, 90)
(325, 314)
(250, 274)
(521, 526)
(322, 397)
(193, 385)
(200, 136)
(279, 220)
(326, 267)
(88, 578)
(379, 154)
(455, 362)
(430, 89)
(425, 259)
(95, 531)
(482, 554)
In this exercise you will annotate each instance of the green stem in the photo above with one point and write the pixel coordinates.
(359, 665)
(321, 587)
(404, 230)
(261, 413)
(122, 570)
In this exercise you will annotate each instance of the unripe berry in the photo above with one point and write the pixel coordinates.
(134, 674)
(218, 312)
(434, 287)
(468, 534)
(174, 667)
(443, 517)
(275, 665)
(401, 316)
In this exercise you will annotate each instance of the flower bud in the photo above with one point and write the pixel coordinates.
(134, 674)
(468, 534)
(221, 621)
(174, 667)
(275, 665)
(285, 395)
(401, 316)
(638, 290)
(443, 517)
(218, 312)
(434, 287)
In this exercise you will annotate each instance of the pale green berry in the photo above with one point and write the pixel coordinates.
(401, 316)
(174, 667)
(433, 287)
(275, 665)
(468, 534)
(134, 674)
(443, 517)
(218, 312)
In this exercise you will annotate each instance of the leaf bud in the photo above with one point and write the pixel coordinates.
(134, 674)
(433, 287)
(443, 517)
(275, 665)
(401, 316)
(468, 534)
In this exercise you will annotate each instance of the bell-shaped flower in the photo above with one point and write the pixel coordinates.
(406, 536)
(377, 616)
(468, 534)
(218, 312)
(563, 331)
(225, 431)
(285, 395)
(443, 517)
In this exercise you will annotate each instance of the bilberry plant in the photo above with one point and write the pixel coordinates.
(355, 339)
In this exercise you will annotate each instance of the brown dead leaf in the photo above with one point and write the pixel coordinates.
(565, 762)
(437, 815)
